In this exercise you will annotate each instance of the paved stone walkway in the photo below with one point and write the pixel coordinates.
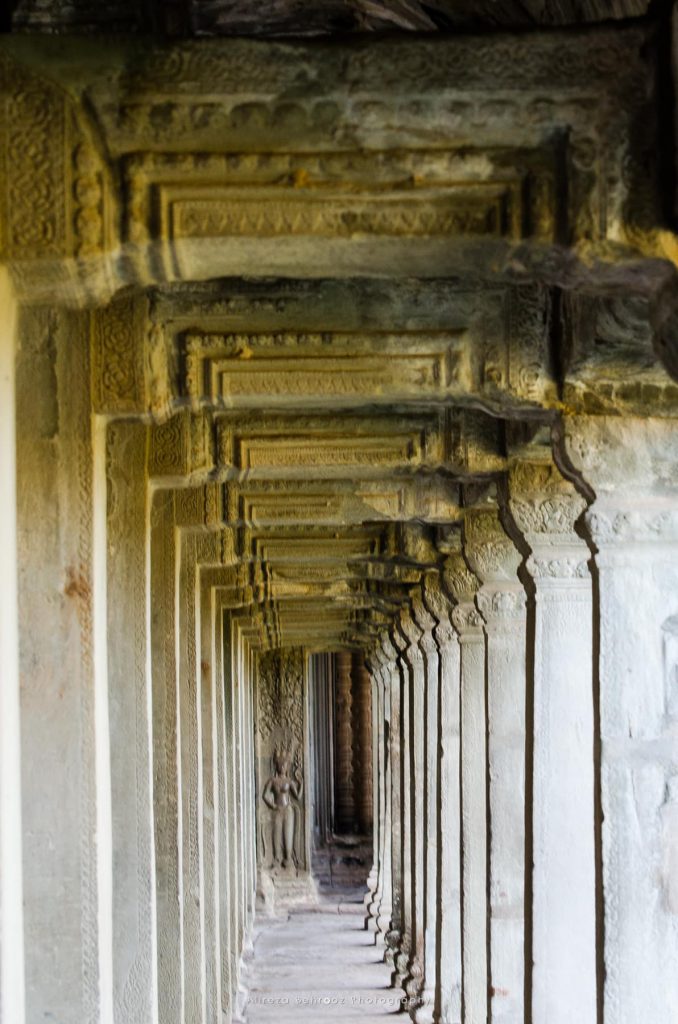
(319, 963)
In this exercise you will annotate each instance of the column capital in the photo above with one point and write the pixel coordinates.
(546, 507)
(440, 607)
(463, 586)
(412, 634)
(632, 465)
(495, 559)
(426, 623)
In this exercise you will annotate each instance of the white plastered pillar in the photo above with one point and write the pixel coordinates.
(501, 600)
(564, 983)
(469, 625)
(632, 466)
(12, 1006)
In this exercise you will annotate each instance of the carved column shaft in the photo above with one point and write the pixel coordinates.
(416, 767)
(394, 934)
(402, 952)
(134, 898)
(449, 885)
(65, 781)
(546, 508)
(633, 522)
(430, 807)
(469, 625)
(375, 878)
(384, 909)
(501, 600)
(363, 762)
(345, 811)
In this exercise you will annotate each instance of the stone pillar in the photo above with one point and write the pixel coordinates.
(402, 884)
(416, 767)
(222, 822)
(449, 999)
(135, 967)
(210, 806)
(343, 787)
(233, 831)
(633, 522)
(395, 928)
(375, 877)
(65, 781)
(429, 810)
(12, 997)
(190, 765)
(384, 905)
(546, 508)
(363, 761)
(469, 625)
(166, 796)
(502, 601)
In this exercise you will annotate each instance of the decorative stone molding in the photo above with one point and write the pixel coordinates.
(546, 508)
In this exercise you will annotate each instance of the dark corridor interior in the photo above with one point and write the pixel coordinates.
(340, 714)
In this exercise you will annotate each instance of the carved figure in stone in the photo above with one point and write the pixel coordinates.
(281, 789)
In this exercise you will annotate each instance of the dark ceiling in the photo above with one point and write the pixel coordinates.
(298, 17)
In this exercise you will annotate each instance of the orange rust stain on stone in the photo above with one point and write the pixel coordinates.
(77, 585)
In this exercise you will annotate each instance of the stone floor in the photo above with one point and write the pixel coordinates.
(319, 963)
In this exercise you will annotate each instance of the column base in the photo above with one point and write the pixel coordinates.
(277, 892)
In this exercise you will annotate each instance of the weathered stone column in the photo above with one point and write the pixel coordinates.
(135, 967)
(403, 884)
(469, 625)
(12, 999)
(430, 825)
(65, 781)
(395, 928)
(210, 789)
(546, 508)
(384, 906)
(448, 1006)
(502, 601)
(166, 797)
(222, 823)
(345, 810)
(632, 466)
(190, 763)
(416, 766)
(363, 762)
(375, 877)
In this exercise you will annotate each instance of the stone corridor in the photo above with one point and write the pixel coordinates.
(338, 511)
(319, 964)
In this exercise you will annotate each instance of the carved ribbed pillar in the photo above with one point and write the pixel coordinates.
(502, 601)
(372, 895)
(414, 659)
(394, 933)
(384, 901)
(429, 826)
(405, 867)
(469, 625)
(546, 508)
(449, 880)
(633, 468)
(345, 811)
(361, 686)
(129, 680)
